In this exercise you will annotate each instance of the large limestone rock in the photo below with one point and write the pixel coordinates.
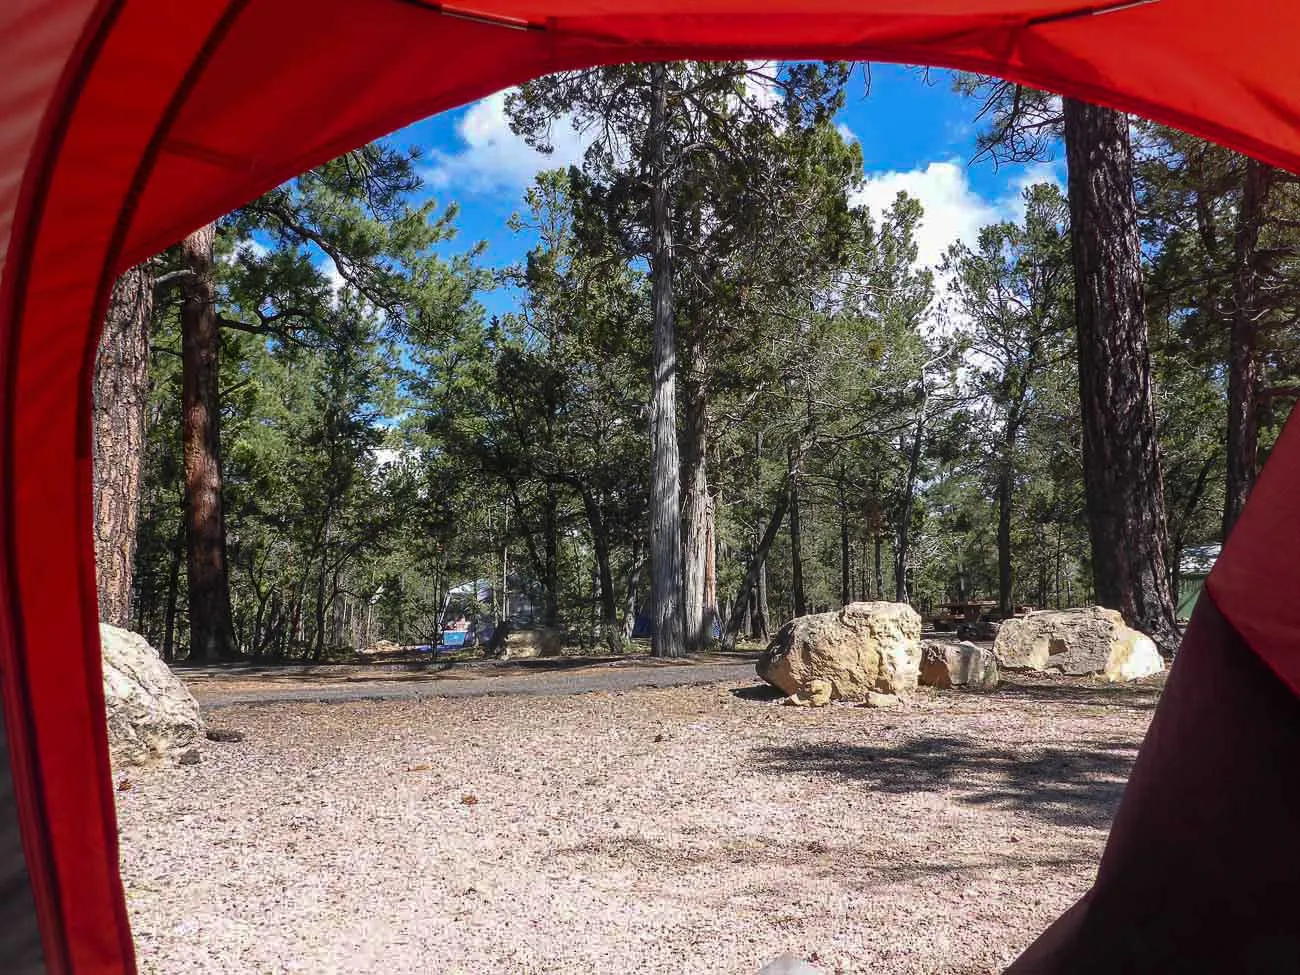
(151, 714)
(518, 642)
(863, 648)
(1092, 640)
(963, 664)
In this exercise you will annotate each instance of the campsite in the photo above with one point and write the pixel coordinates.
(735, 487)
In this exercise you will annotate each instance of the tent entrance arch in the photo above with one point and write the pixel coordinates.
(126, 123)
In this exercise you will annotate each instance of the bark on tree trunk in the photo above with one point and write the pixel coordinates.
(629, 604)
(121, 396)
(173, 590)
(665, 483)
(877, 543)
(846, 550)
(903, 537)
(1243, 361)
(1121, 460)
(1004, 539)
(551, 547)
(695, 513)
(711, 568)
(212, 635)
(755, 575)
(318, 644)
(604, 572)
(796, 543)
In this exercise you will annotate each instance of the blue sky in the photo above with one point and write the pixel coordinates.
(916, 135)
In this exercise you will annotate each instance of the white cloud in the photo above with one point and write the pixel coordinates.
(846, 133)
(1052, 172)
(953, 210)
(247, 246)
(493, 158)
(330, 270)
(761, 85)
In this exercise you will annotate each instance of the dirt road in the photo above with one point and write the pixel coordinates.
(222, 687)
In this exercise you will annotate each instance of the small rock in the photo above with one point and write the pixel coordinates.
(946, 665)
(225, 734)
(875, 700)
(190, 757)
(819, 692)
(789, 964)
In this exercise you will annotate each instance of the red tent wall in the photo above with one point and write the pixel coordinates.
(126, 123)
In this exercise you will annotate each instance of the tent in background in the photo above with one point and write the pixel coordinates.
(124, 124)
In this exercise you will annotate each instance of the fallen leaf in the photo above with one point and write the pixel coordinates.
(125, 785)
(469, 799)
(420, 768)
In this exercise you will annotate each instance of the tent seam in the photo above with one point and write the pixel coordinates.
(47, 890)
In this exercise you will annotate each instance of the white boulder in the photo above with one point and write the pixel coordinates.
(151, 714)
(1087, 641)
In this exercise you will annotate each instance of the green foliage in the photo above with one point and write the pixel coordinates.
(383, 441)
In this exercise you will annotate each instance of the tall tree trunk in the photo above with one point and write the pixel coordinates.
(600, 545)
(903, 536)
(877, 543)
(1121, 459)
(551, 549)
(665, 481)
(796, 542)
(846, 550)
(755, 575)
(212, 634)
(121, 396)
(695, 511)
(318, 638)
(1004, 538)
(633, 582)
(711, 568)
(1243, 360)
(173, 590)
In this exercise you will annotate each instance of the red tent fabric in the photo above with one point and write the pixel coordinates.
(126, 123)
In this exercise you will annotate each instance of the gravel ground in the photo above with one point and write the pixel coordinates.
(696, 830)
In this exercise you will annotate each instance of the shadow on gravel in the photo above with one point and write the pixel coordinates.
(853, 864)
(1079, 786)
(758, 692)
(1135, 697)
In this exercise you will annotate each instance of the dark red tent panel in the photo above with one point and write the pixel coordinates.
(126, 123)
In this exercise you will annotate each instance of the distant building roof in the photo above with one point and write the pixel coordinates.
(1198, 560)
